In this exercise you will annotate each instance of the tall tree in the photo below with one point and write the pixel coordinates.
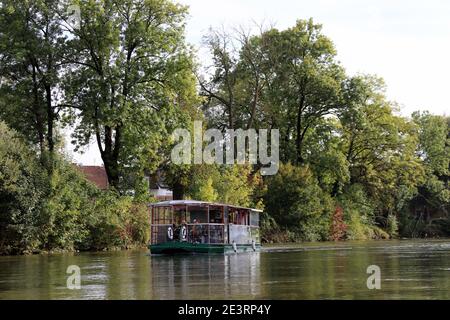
(282, 79)
(131, 80)
(379, 146)
(308, 81)
(31, 46)
(434, 150)
(234, 83)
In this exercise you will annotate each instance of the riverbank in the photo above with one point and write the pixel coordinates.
(266, 246)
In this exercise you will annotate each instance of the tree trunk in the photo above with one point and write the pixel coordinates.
(299, 138)
(50, 119)
(112, 170)
(110, 155)
(38, 114)
(178, 191)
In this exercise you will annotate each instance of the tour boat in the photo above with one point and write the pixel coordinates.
(188, 226)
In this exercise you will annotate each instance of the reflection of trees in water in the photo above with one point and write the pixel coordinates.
(206, 276)
(408, 270)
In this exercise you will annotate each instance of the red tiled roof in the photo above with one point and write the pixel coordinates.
(95, 174)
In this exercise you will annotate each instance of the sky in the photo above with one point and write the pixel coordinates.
(406, 42)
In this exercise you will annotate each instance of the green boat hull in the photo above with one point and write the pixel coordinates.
(187, 247)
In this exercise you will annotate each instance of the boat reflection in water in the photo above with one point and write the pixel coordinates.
(213, 276)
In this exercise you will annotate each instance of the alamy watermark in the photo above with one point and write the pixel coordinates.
(374, 280)
(231, 147)
(74, 280)
(74, 16)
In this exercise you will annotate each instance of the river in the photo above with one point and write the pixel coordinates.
(409, 269)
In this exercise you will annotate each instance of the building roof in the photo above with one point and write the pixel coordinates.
(194, 202)
(96, 174)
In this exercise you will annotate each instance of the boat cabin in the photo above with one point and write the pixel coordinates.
(198, 226)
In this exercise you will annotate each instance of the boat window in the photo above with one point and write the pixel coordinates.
(254, 218)
(159, 234)
(197, 214)
(216, 214)
(162, 215)
(232, 215)
(217, 234)
(238, 216)
(179, 215)
(198, 233)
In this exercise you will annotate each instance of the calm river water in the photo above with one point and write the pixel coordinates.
(417, 269)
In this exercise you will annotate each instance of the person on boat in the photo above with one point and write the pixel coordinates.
(176, 231)
(196, 231)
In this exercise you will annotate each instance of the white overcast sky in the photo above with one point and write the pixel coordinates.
(405, 42)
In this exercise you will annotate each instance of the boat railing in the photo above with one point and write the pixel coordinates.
(213, 233)
(241, 233)
(206, 233)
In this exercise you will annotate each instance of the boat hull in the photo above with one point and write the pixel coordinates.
(187, 247)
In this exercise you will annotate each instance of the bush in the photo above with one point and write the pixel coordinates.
(56, 208)
(392, 226)
(298, 204)
(231, 184)
(22, 193)
(338, 227)
(358, 213)
(79, 216)
(117, 222)
(67, 207)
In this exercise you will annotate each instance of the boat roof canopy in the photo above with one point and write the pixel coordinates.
(195, 202)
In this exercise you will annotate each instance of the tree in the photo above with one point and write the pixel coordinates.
(434, 150)
(22, 193)
(379, 146)
(235, 83)
(130, 82)
(307, 83)
(297, 203)
(200, 182)
(236, 185)
(280, 79)
(31, 50)
(434, 141)
(325, 156)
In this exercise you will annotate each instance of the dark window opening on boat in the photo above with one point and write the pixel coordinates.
(197, 214)
(216, 214)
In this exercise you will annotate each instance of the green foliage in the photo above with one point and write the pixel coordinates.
(117, 221)
(380, 149)
(429, 207)
(69, 202)
(233, 184)
(296, 202)
(131, 77)
(129, 82)
(358, 213)
(60, 210)
(392, 226)
(343, 128)
(434, 145)
(326, 157)
(201, 183)
(31, 51)
(22, 194)
(286, 79)
(236, 184)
